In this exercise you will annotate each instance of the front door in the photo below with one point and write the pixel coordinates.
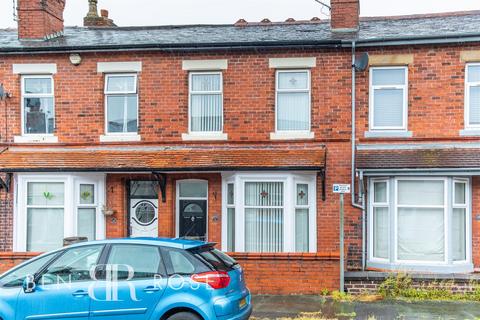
(143, 205)
(192, 209)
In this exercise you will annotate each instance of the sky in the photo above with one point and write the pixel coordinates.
(166, 12)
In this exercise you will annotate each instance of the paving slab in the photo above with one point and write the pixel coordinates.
(275, 307)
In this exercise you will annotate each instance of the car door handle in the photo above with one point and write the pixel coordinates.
(80, 293)
(151, 289)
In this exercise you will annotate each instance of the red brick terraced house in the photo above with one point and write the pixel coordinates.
(235, 134)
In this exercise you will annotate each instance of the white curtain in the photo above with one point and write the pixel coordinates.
(474, 113)
(388, 108)
(293, 111)
(459, 234)
(206, 110)
(301, 230)
(264, 216)
(381, 226)
(86, 223)
(44, 229)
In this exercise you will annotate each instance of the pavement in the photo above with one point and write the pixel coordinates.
(275, 307)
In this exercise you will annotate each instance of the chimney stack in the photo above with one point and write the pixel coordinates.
(40, 19)
(94, 20)
(345, 15)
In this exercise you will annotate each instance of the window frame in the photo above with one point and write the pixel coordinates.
(447, 265)
(191, 92)
(71, 183)
(372, 206)
(36, 95)
(290, 181)
(124, 94)
(372, 88)
(468, 86)
(307, 90)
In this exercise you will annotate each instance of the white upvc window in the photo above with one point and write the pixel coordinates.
(38, 105)
(265, 212)
(50, 208)
(420, 223)
(205, 103)
(121, 104)
(472, 96)
(388, 99)
(293, 101)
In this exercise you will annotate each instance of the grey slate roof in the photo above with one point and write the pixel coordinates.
(437, 28)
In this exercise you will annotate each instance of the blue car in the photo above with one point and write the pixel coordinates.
(127, 279)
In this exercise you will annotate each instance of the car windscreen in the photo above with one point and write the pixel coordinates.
(215, 258)
(16, 277)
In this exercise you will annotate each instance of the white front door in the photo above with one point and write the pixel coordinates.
(143, 203)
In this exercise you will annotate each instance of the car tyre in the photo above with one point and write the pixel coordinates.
(184, 316)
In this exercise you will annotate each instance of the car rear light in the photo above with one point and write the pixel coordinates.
(215, 279)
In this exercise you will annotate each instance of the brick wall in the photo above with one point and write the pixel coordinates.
(290, 273)
(8, 259)
(6, 219)
(38, 19)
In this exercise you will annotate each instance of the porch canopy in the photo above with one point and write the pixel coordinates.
(441, 161)
(162, 158)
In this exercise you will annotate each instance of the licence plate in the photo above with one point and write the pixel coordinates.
(242, 303)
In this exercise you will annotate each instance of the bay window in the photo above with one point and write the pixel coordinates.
(50, 208)
(269, 213)
(121, 100)
(419, 223)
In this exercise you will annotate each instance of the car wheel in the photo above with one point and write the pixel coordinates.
(184, 316)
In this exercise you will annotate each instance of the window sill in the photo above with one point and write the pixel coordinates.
(120, 138)
(204, 137)
(466, 267)
(35, 139)
(292, 135)
(388, 134)
(470, 133)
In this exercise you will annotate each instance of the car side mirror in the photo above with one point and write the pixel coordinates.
(29, 284)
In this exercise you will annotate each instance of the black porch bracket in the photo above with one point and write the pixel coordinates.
(322, 175)
(6, 182)
(162, 182)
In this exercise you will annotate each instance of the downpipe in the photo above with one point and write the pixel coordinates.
(361, 196)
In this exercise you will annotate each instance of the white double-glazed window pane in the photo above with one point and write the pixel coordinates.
(264, 216)
(122, 111)
(474, 105)
(121, 84)
(38, 85)
(388, 77)
(421, 234)
(421, 192)
(460, 193)
(388, 107)
(380, 192)
(293, 111)
(293, 101)
(87, 194)
(473, 73)
(381, 225)
(231, 229)
(301, 230)
(459, 234)
(44, 229)
(293, 80)
(302, 194)
(206, 102)
(193, 189)
(86, 223)
(206, 112)
(45, 193)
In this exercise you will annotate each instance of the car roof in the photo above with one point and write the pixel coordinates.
(164, 242)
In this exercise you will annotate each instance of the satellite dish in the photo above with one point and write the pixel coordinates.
(361, 62)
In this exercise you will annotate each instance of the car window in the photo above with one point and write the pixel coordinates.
(15, 277)
(184, 263)
(136, 261)
(217, 259)
(73, 266)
